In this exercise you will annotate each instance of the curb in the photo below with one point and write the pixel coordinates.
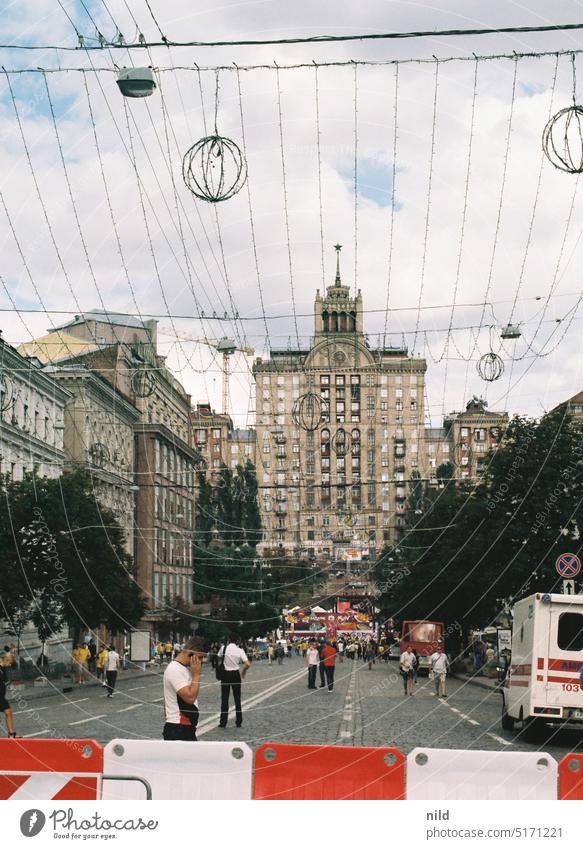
(477, 682)
(56, 688)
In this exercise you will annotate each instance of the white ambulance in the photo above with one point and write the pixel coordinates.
(543, 684)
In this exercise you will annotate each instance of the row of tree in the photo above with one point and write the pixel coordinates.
(470, 550)
(63, 559)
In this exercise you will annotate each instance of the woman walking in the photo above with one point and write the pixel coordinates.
(406, 665)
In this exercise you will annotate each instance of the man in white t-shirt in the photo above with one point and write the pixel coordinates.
(231, 679)
(181, 686)
(406, 665)
(312, 659)
(439, 666)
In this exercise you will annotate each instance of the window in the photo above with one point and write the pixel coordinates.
(370, 406)
(280, 381)
(570, 633)
(371, 494)
(216, 433)
(325, 380)
(340, 412)
(340, 380)
(370, 437)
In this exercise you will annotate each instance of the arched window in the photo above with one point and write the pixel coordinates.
(326, 321)
(334, 322)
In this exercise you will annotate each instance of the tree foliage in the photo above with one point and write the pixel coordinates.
(63, 556)
(474, 548)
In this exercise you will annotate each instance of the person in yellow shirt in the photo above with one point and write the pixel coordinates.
(168, 652)
(101, 664)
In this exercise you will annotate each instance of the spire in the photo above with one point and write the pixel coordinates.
(337, 248)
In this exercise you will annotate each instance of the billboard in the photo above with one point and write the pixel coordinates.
(328, 625)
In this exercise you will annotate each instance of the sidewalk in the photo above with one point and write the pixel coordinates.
(55, 687)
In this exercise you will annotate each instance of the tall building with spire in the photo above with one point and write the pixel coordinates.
(339, 426)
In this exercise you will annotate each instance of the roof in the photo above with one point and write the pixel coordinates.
(576, 399)
(107, 317)
(56, 346)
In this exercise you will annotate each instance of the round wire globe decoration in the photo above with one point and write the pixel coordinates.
(214, 169)
(490, 367)
(99, 455)
(340, 442)
(310, 411)
(143, 383)
(563, 139)
(6, 393)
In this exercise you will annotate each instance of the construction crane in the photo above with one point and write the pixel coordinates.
(224, 346)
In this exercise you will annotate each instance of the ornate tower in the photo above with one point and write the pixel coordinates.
(337, 313)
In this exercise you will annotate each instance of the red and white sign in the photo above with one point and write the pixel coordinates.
(568, 565)
(50, 769)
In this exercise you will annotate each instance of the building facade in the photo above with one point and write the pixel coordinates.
(31, 417)
(166, 472)
(121, 351)
(210, 436)
(99, 436)
(339, 426)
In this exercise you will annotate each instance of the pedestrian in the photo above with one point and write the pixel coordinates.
(214, 653)
(279, 653)
(312, 661)
(177, 648)
(490, 654)
(168, 651)
(370, 653)
(341, 648)
(439, 666)
(270, 654)
(112, 665)
(415, 665)
(181, 688)
(329, 655)
(100, 664)
(321, 665)
(92, 656)
(5, 663)
(231, 679)
(406, 666)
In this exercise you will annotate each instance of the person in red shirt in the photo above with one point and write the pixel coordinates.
(329, 655)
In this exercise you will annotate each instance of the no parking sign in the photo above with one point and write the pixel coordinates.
(568, 565)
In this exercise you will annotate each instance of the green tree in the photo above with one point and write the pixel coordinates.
(64, 555)
(205, 511)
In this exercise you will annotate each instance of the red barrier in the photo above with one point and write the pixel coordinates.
(50, 769)
(571, 777)
(283, 771)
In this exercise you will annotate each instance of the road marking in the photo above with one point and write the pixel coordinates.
(29, 710)
(37, 733)
(88, 719)
(211, 722)
(498, 739)
(161, 699)
(77, 701)
(131, 707)
(131, 689)
(455, 710)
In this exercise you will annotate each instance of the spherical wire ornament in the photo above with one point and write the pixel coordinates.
(340, 442)
(214, 169)
(490, 367)
(310, 411)
(563, 139)
(143, 383)
(6, 393)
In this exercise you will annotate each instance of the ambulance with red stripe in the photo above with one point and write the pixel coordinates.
(543, 684)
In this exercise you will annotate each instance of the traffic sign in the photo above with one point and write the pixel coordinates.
(568, 565)
(568, 587)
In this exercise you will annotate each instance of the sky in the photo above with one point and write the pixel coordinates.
(431, 175)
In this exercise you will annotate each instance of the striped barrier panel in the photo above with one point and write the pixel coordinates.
(50, 769)
(141, 769)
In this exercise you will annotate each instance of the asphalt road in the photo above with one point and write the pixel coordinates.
(366, 708)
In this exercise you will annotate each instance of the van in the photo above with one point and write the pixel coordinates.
(543, 683)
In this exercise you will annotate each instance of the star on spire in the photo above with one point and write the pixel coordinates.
(338, 248)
